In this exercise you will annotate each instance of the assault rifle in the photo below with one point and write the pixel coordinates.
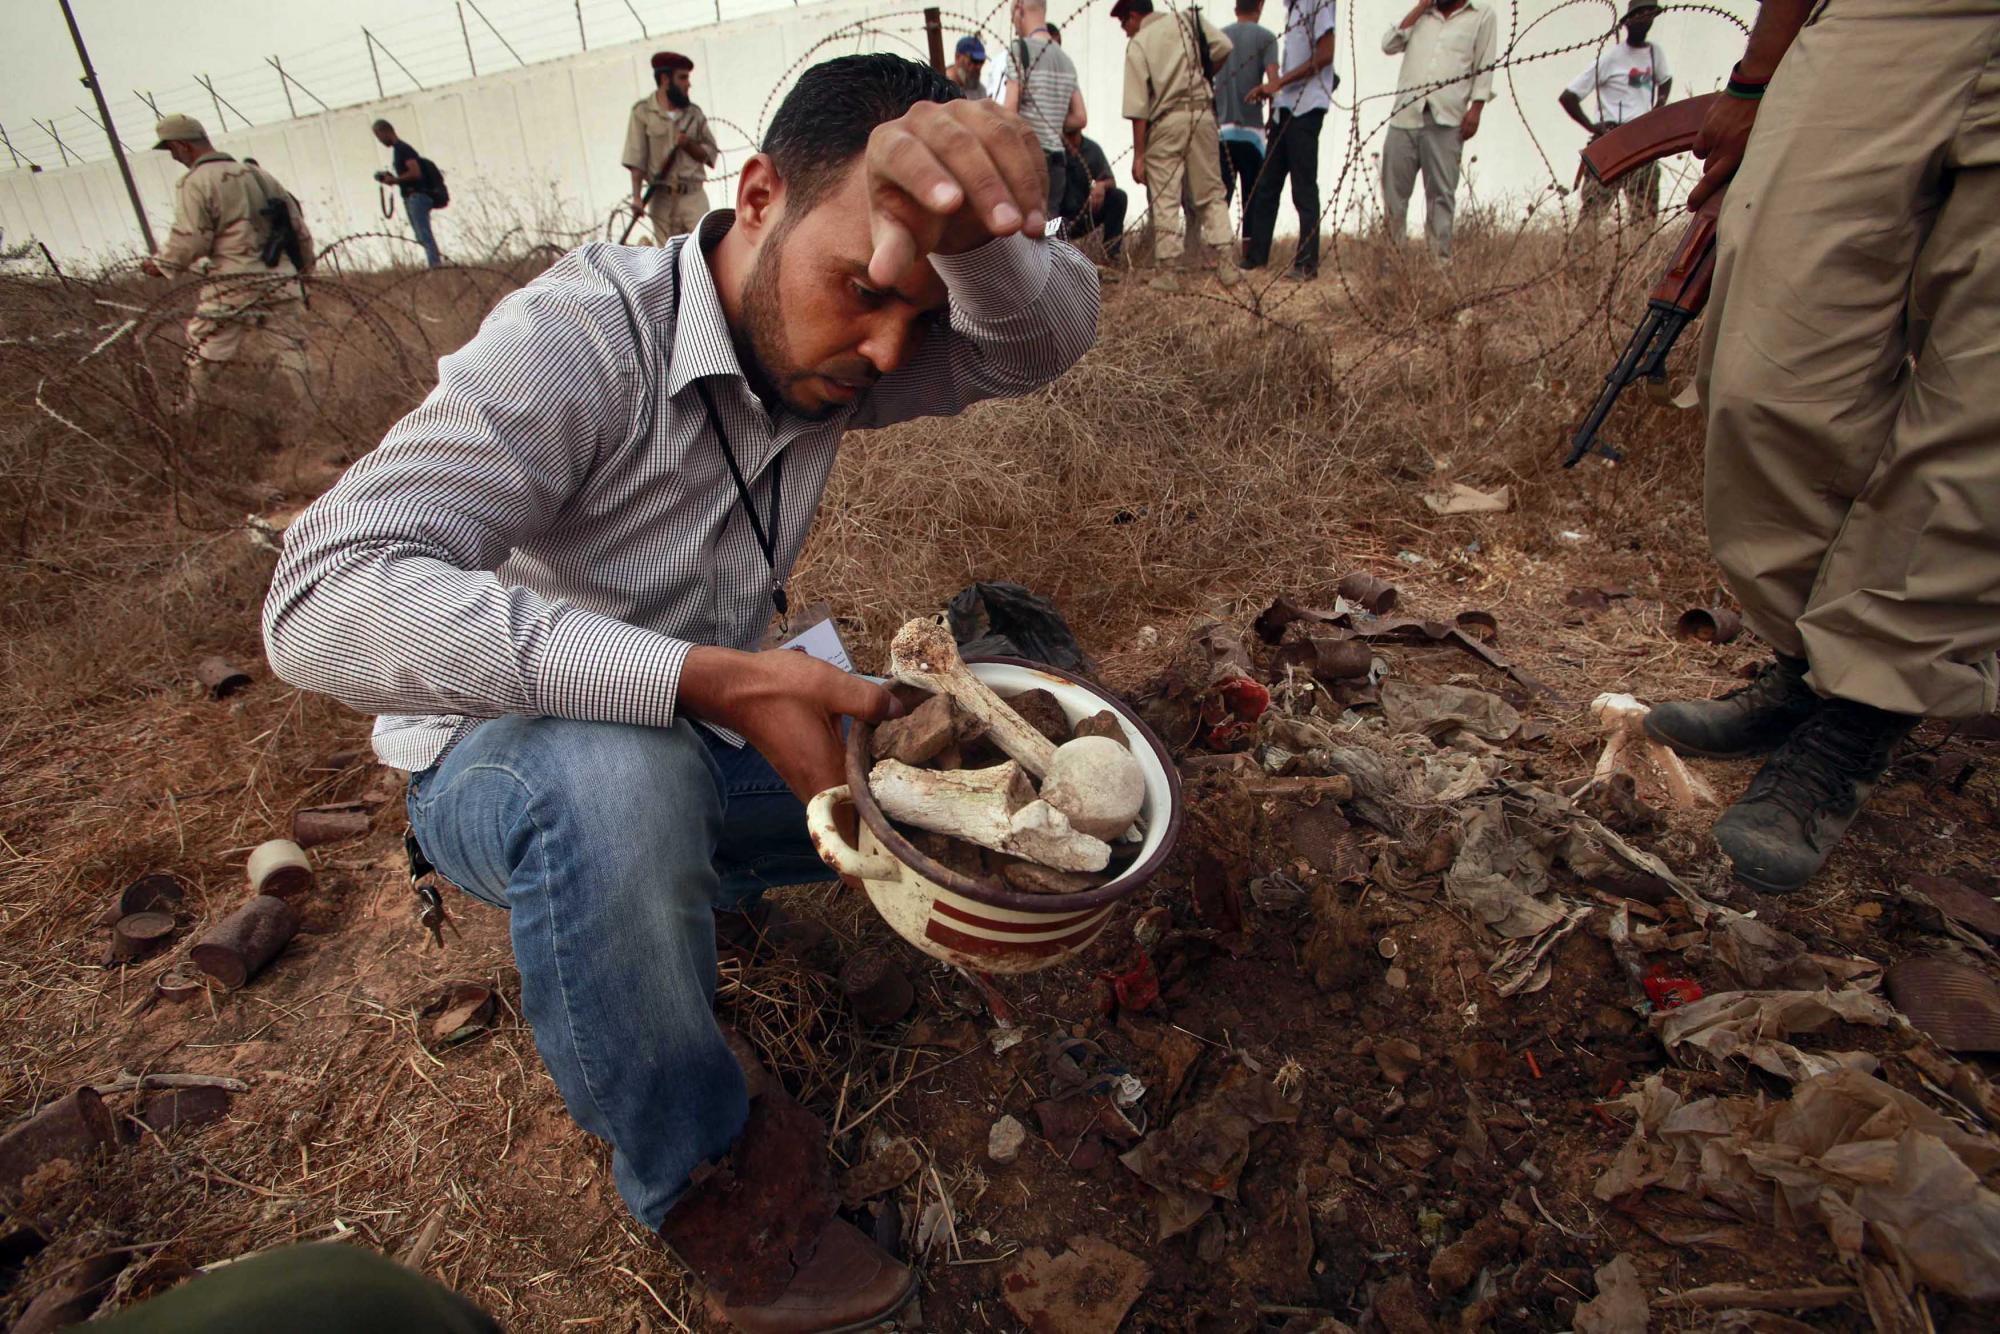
(1682, 290)
(652, 187)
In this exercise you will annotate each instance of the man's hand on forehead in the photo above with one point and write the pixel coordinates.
(948, 177)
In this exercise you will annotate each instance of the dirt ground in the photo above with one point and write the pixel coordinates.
(1424, 1149)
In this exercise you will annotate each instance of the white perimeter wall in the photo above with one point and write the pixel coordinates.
(539, 146)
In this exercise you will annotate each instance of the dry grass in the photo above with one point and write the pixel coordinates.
(1206, 455)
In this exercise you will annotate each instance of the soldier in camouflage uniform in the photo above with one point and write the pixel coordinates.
(248, 312)
(663, 119)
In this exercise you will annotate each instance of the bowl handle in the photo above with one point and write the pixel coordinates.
(835, 850)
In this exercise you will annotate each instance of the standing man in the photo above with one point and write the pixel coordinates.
(968, 67)
(1628, 80)
(1302, 95)
(552, 578)
(1447, 77)
(406, 172)
(248, 237)
(1042, 86)
(1103, 211)
(1239, 120)
(1848, 366)
(669, 149)
(1174, 142)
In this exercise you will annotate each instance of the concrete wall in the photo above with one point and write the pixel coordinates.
(538, 147)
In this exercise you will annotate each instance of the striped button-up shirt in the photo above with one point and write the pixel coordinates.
(554, 527)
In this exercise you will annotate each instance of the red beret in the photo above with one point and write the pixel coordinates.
(670, 60)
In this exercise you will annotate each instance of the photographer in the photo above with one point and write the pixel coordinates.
(420, 193)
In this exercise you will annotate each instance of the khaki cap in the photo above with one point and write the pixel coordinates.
(179, 129)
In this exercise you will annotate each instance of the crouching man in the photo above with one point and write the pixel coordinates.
(562, 561)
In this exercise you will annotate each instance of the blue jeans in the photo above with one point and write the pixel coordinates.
(418, 205)
(612, 846)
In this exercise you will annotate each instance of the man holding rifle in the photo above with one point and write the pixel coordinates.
(1849, 369)
(669, 149)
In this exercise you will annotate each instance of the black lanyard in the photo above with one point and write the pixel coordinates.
(767, 538)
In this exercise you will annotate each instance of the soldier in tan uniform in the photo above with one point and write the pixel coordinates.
(1171, 106)
(1850, 369)
(249, 312)
(663, 121)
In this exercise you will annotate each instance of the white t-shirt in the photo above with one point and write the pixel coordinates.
(1306, 21)
(1625, 79)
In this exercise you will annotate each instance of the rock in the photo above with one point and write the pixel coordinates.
(1042, 711)
(1004, 1140)
(1103, 723)
(1489, 1239)
(1088, 1290)
(1398, 1059)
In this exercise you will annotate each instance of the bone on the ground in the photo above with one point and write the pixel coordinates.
(995, 808)
(1621, 717)
(924, 654)
(1098, 784)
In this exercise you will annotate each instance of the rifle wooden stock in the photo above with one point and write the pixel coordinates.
(1661, 132)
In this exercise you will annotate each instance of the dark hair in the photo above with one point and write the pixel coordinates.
(1138, 6)
(383, 125)
(825, 120)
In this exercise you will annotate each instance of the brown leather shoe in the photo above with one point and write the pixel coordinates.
(849, 1284)
(758, 1228)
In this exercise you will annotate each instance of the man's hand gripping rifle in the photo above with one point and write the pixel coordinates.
(653, 187)
(1682, 290)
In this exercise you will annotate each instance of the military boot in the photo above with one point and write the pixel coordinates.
(1780, 831)
(758, 1229)
(1747, 721)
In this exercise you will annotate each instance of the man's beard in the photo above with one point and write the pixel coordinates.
(679, 99)
(763, 348)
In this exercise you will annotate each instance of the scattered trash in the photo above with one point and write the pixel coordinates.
(220, 677)
(166, 1109)
(1378, 596)
(462, 1010)
(892, 1165)
(58, 1138)
(1439, 711)
(1086, 1290)
(180, 983)
(1004, 1140)
(1005, 1039)
(281, 868)
(1961, 903)
(1846, 1150)
(1410, 558)
(1956, 1005)
(160, 891)
(1197, 1158)
(1483, 626)
(1709, 625)
(236, 947)
(1137, 987)
(137, 935)
(1753, 1025)
(329, 824)
(1666, 991)
(1458, 498)
(877, 989)
(1622, 717)
(1620, 1304)
(1007, 620)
